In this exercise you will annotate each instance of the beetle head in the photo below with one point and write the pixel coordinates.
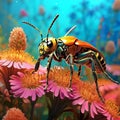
(47, 46)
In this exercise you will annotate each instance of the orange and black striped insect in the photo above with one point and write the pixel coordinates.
(74, 51)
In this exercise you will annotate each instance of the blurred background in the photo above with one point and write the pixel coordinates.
(98, 22)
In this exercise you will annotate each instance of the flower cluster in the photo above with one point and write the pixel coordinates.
(24, 90)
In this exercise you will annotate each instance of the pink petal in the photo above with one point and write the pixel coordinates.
(50, 86)
(25, 93)
(57, 90)
(84, 107)
(99, 106)
(10, 64)
(76, 95)
(16, 65)
(14, 77)
(2, 61)
(41, 90)
(15, 87)
(14, 82)
(33, 94)
(64, 90)
(19, 91)
(38, 92)
(6, 63)
(79, 101)
(62, 96)
(109, 117)
(93, 108)
(20, 74)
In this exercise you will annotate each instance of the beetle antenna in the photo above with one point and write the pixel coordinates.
(71, 29)
(52, 25)
(35, 29)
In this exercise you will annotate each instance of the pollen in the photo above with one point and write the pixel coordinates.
(62, 76)
(17, 39)
(17, 56)
(112, 108)
(88, 91)
(30, 80)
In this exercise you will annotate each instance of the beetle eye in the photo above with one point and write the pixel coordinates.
(49, 44)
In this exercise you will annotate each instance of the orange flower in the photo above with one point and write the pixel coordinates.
(14, 114)
(17, 59)
(116, 5)
(17, 39)
(110, 47)
(111, 110)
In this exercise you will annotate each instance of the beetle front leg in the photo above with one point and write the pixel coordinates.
(37, 65)
(48, 69)
(70, 61)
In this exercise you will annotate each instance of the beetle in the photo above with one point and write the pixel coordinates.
(74, 51)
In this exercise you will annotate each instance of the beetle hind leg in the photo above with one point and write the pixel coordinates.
(95, 79)
(90, 59)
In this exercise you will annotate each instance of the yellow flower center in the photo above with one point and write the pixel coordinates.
(112, 108)
(30, 80)
(88, 91)
(62, 76)
(17, 56)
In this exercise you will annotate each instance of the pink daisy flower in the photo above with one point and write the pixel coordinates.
(27, 85)
(86, 96)
(16, 56)
(17, 59)
(59, 79)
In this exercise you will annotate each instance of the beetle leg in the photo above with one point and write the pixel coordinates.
(92, 54)
(95, 78)
(91, 60)
(48, 69)
(100, 66)
(79, 70)
(37, 64)
(70, 61)
(105, 73)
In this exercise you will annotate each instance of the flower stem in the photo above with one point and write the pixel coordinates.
(32, 109)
